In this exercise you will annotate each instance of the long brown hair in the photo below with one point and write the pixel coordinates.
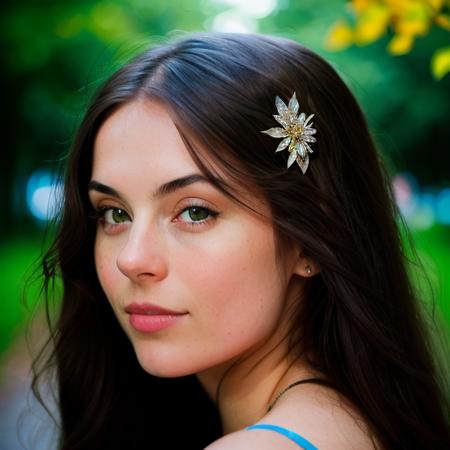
(359, 324)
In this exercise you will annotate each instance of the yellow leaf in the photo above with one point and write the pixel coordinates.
(443, 21)
(400, 44)
(360, 5)
(397, 7)
(436, 4)
(339, 37)
(412, 26)
(414, 20)
(440, 62)
(371, 25)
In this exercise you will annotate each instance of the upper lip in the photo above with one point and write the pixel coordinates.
(149, 308)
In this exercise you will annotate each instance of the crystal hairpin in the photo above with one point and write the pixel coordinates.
(297, 132)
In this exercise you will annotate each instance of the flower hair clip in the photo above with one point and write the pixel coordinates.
(297, 132)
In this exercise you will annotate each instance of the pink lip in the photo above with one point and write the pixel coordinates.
(149, 308)
(149, 318)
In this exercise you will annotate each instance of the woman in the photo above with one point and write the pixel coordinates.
(232, 269)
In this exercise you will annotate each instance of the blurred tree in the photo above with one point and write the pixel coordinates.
(57, 54)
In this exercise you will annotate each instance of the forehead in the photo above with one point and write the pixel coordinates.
(140, 136)
(139, 148)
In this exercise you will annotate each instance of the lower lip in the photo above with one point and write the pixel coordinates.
(150, 323)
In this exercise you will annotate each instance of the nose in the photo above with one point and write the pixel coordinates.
(141, 259)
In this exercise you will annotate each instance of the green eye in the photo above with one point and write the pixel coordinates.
(115, 215)
(119, 215)
(195, 215)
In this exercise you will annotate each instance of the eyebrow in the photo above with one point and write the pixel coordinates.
(164, 189)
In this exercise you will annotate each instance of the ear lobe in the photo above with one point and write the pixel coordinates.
(306, 267)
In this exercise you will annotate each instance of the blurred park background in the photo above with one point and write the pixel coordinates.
(394, 55)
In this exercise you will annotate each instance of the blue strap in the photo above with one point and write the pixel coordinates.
(288, 433)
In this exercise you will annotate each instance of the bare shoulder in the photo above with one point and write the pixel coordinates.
(317, 414)
(323, 417)
(245, 440)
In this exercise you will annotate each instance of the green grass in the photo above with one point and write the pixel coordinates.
(433, 246)
(17, 255)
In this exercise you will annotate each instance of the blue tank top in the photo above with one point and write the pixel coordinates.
(302, 442)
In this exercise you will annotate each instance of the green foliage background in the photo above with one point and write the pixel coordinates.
(56, 53)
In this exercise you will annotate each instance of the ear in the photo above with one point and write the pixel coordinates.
(305, 266)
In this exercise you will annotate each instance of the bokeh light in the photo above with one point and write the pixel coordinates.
(43, 195)
(443, 207)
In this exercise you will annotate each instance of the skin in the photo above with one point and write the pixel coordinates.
(221, 270)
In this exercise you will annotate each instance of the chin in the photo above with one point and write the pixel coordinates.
(161, 365)
(165, 371)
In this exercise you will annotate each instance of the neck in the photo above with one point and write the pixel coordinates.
(244, 389)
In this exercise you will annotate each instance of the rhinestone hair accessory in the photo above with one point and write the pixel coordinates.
(297, 132)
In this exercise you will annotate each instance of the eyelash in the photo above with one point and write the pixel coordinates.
(98, 214)
(211, 213)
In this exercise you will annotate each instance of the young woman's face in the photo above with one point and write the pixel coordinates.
(185, 247)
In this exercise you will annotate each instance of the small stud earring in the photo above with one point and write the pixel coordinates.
(308, 269)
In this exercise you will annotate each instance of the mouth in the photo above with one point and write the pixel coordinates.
(150, 309)
(151, 322)
(148, 317)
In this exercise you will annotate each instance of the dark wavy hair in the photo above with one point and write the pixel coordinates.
(360, 322)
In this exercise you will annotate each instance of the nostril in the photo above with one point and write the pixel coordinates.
(146, 275)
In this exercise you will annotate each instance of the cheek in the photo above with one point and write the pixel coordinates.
(234, 284)
(105, 265)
